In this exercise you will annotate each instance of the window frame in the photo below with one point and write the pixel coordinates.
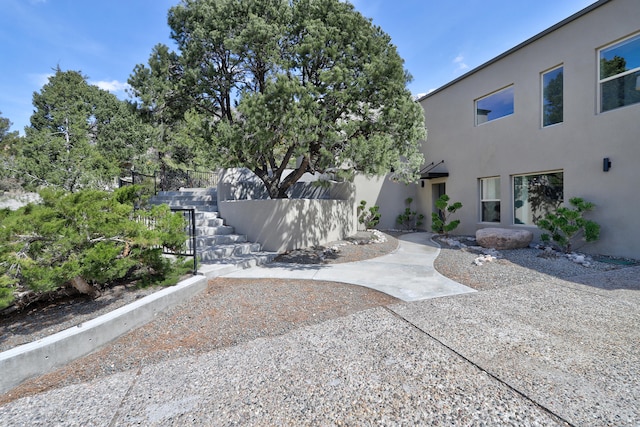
(489, 95)
(602, 81)
(513, 193)
(542, 96)
(489, 200)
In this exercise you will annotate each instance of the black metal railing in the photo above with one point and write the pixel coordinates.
(189, 216)
(172, 179)
(190, 248)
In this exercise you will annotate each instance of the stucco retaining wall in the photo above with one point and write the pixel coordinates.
(46, 354)
(284, 224)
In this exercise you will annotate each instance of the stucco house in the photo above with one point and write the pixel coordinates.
(556, 117)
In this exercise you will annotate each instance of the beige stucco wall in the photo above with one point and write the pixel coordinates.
(314, 215)
(518, 144)
(286, 224)
(390, 196)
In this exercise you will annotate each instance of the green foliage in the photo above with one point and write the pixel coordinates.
(90, 234)
(79, 136)
(368, 217)
(266, 82)
(440, 222)
(174, 129)
(9, 142)
(409, 219)
(565, 225)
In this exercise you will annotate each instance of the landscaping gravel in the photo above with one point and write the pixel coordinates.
(292, 352)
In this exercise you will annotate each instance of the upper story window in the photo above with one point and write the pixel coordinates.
(552, 96)
(498, 104)
(619, 74)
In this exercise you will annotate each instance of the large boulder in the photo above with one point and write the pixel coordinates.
(503, 238)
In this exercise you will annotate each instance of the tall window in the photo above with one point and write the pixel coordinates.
(536, 195)
(491, 107)
(490, 199)
(552, 94)
(620, 74)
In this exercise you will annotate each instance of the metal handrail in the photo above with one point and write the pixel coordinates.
(174, 179)
(190, 216)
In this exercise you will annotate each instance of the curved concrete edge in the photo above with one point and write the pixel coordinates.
(42, 356)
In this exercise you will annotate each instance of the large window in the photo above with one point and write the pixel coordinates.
(490, 199)
(620, 74)
(491, 107)
(536, 195)
(552, 97)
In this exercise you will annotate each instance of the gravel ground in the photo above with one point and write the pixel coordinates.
(235, 311)
(48, 318)
(513, 267)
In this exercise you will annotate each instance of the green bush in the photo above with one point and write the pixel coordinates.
(565, 225)
(93, 235)
(409, 219)
(368, 217)
(440, 220)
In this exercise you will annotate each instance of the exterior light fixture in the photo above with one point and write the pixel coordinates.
(606, 164)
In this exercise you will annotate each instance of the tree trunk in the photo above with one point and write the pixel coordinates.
(83, 287)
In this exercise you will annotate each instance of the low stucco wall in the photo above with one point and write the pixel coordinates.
(41, 356)
(286, 224)
(389, 196)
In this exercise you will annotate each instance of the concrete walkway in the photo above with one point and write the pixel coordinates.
(553, 353)
(407, 273)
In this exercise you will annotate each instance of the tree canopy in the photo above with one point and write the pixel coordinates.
(8, 145)
(79, 135)
(298, 85)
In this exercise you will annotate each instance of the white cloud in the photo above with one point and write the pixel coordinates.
(460, 64)
(40, 79)
(112, 86)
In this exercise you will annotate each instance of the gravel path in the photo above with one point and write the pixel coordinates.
(48, 318)
(235, 311)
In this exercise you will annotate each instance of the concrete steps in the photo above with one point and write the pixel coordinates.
(220, 250)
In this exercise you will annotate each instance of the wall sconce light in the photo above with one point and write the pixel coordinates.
(606, 164)
(422, 183)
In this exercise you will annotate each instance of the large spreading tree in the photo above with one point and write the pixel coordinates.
(297, 85)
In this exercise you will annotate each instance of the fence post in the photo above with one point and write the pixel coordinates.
(192, 214)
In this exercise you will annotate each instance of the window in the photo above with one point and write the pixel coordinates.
(490, 199)
(620, 74)
(552, 103)
(491, 107)
(536, 195)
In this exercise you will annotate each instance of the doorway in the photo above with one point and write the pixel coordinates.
(437, 190)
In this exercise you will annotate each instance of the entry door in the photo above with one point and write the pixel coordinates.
(437, 190)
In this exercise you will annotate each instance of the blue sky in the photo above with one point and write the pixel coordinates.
(104, 39)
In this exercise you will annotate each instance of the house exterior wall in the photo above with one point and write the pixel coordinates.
(388, 195)
(519, 144)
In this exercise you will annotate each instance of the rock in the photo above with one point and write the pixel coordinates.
(503, 238)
